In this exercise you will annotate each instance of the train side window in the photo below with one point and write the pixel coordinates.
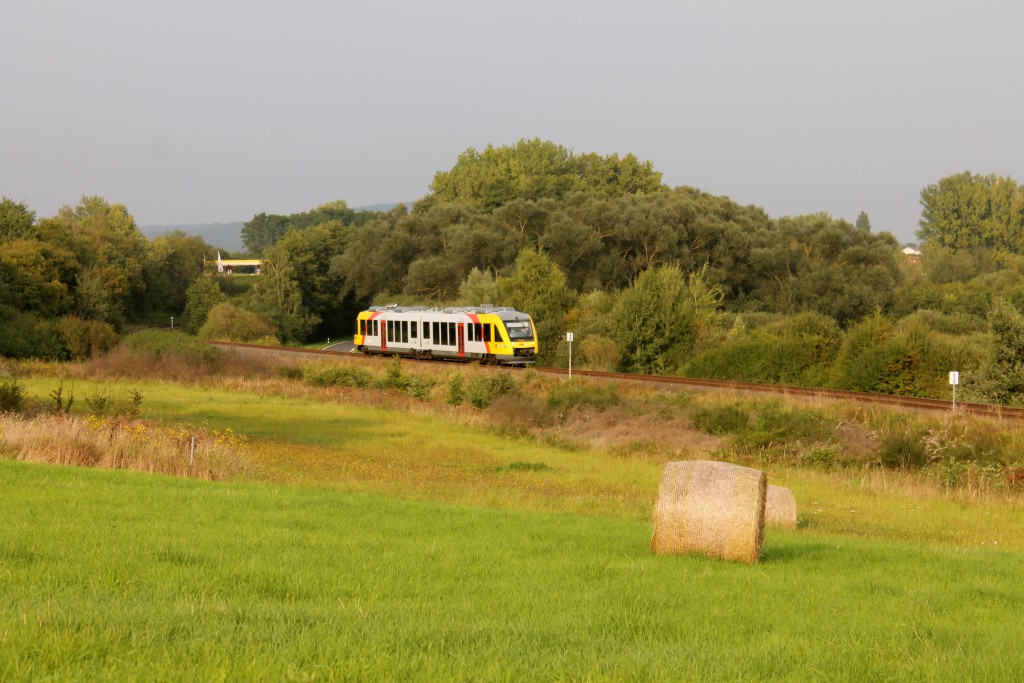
(451, 334)
(487, 332)
(405, 331)
(412, 328)
(444, 335)
(426, 329)
(478, 332)
(437, 333)
(391, 330)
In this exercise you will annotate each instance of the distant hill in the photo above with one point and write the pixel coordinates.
(228, 236)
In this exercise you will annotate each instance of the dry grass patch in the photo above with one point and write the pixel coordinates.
(121, 444)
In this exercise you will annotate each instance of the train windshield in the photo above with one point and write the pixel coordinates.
(519, 331)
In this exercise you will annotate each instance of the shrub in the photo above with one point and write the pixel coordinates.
(289, 372)
(724, 419)
(343, 375)
(12, 396)
(125, 404)
(456, 395)
(576, 393)
(164, 343)
(483, 389)
(903, 447)
(85, 338)
(23, 335)
(230, 323)
(600, 353)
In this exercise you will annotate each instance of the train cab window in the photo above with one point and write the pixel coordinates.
(362, 327)
(519, 330)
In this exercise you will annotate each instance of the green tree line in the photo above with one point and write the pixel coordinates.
(651, 278)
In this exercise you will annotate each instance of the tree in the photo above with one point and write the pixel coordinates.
(201, 296)
(1001, 378)
(538, 287)
(173, 262)
(863, 222)
(816, 263)
(16, 221)
(278, 298)
(262, 231)
(36, 276)
(309, 253)
(966, 211)
(108, 244)
(536, 169)
(478, 288)
(658, 317)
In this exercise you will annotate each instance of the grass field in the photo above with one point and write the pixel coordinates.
(113, 575)
(376, 539)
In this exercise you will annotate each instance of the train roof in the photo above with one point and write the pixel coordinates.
(504, 312)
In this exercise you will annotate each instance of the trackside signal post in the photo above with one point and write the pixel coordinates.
(568, 338)
(954, 379)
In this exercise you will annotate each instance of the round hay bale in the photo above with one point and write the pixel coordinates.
(711, 508)
(780, 507)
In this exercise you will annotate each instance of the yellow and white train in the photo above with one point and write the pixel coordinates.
(484, 333)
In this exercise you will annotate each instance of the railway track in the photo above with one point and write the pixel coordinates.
(910, 402)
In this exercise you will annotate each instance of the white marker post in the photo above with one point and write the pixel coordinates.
(568, 338)
(954, 379)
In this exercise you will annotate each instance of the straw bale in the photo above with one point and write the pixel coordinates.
(780, 507)
(710, 508)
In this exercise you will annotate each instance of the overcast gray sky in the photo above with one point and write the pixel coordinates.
(204, 111)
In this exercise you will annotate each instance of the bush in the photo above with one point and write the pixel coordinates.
(23, 335)
(343, 375)
(12, 396)
(600, 353)
(124, 405)
(85, 338)
(483, 389)
(456, 395)
(289, 372)
(576, 393)
(230, 323)
(164, 343)
(726, 419)
(903, 447)
(794, 350)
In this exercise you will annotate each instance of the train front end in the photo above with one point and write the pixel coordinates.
(518, 343)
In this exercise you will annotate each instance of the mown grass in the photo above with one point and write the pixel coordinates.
(112, 575)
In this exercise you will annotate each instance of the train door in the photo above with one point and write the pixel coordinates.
(384, 329)
(461, 337)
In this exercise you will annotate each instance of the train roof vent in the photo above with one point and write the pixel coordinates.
(391, 306)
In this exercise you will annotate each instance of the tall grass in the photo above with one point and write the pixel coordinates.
(119, 443)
